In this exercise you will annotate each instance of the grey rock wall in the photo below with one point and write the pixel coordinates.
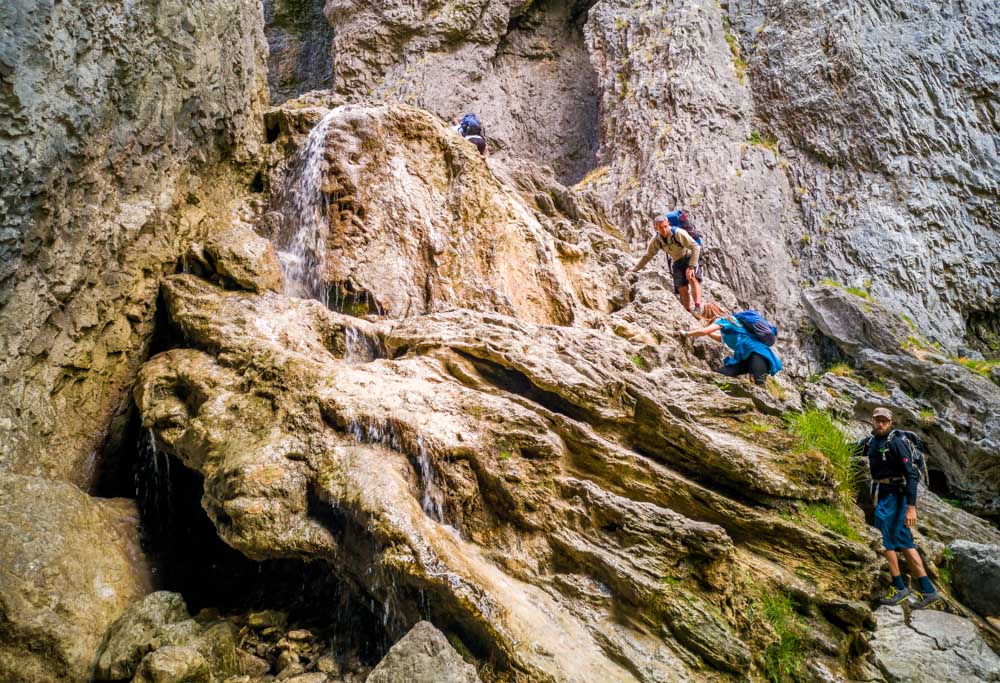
(300, 48)
(116, 118)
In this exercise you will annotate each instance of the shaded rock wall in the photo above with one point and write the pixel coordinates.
(300, 48)
(116, 119)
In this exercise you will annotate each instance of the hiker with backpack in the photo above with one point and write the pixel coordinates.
(472, 130)
(676, 236)
(749, 335)
(895, 461)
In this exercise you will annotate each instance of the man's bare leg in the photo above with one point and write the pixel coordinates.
(914, 562)
(893, 560)
(685, 299)
(696, 291)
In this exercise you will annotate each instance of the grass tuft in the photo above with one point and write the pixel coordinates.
(639, 362)
(782, 660)
(817, 430)
(980, 367)
(856, 291)
(878, 387)
(763, 140)
(841, 370)
(927, 416)
(832, 518)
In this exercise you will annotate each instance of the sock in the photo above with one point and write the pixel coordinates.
(897, 582)
(925, 584)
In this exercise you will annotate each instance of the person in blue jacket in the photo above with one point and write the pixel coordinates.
(750, 356)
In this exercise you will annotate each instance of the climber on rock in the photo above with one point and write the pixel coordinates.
(472, 130)
(894, 479)
(746, 333)
(684, 251)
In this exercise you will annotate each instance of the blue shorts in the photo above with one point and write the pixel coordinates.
(890, 519)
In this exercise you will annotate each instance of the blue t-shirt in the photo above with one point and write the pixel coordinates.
(736, 337)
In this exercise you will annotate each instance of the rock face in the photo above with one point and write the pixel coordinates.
(976, 572)
(72, 565)
(117, 119)
(931, 646)
(955, 411)
(892, 151)
(300, 48)
(423, 656)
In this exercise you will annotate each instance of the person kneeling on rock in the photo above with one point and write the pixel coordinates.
(684, 252)
(894, 490)
(472, 130)
(751, 355)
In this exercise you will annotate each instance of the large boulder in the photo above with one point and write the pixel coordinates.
(976, 575)
(72, 564)
(423, 655)
(854, 322)
(121, 124)
(931, 646)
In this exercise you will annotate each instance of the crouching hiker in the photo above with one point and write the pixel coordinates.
(895, 476)
(472, 130)
(684, 251)
(748, 335)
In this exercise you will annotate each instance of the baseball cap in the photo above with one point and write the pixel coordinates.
(882, 412)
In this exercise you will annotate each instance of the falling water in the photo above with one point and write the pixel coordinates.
(358, 348)
(152, 483)
(386, 434)
(303, 256)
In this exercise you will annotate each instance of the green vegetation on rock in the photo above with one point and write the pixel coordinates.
(856, 291)
(832, 518)
(981, 367)
(817, 430)
(783, 660)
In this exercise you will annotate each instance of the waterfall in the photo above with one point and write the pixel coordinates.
(304, 253)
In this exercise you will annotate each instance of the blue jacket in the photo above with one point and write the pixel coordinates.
(736, 337)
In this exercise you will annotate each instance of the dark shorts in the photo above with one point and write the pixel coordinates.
(754, 364)
(479, 141)
(890, 519)
(680, 277)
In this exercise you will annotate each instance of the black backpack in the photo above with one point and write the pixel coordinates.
(916, 448)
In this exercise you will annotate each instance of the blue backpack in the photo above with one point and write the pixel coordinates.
(758, 326)
(679, 219)
(470, 126)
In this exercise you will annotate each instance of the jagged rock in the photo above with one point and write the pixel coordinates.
(854, 323)
(245, 259)
(439, 231)
(137, 632)
(161, 622)
(115, 158)
(71, 566)
(423, 655)
(976, 575)
(173, 664)
(931, 646)
(542, 446)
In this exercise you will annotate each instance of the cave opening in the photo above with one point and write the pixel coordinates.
(982, 333)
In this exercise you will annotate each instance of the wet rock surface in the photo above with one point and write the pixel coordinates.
(72, 564)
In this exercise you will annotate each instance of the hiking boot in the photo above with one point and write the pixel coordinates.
(926, 600)
(697, 309)
(895, 596)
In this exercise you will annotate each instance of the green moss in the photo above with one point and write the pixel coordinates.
(763, 140)
(784, 659)
(759, 427)
(841, 370)
(505, 455)
(739, 64)
(878, 387)
(856, 291)
(639, 362)
(832, 518)
(980, 367)
(670, 580)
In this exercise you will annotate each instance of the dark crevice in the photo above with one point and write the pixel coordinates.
(257, 184)
(347, 298)
(515, 382)
(272, 127)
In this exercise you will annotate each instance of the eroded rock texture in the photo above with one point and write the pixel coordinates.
(116, 118)
(72, 564)
(300, 48)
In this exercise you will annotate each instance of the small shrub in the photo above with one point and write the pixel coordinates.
(927, 416)
(506, 455)
(739, 64)
(766, 141)
(944, 575)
